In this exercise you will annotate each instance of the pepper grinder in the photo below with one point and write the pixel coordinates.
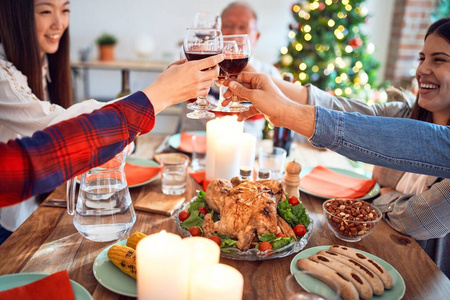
(291, 179)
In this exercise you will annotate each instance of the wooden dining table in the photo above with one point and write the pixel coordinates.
(48, 242)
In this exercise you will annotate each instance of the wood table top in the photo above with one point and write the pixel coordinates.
(48, 242)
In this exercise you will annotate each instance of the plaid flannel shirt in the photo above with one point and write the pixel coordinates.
(40, 163)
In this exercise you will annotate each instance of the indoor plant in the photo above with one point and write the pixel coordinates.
(106, 45)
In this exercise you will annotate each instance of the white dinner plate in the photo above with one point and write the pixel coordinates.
(174, 140)
(397, 292)
(372, 193)
(110, 276)
(15, 280)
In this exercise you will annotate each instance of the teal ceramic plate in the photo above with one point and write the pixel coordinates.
(110, 276)
(14, 280)
(372, 193)
(143, 163)
(397, 291)
(174, 140)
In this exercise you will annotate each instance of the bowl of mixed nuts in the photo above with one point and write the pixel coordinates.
(351, 220)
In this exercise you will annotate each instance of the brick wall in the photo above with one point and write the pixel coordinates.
(410, 21)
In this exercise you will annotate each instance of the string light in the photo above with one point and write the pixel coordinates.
(315, 68)
(291, 34)
(355, 29)
(306, 28)
(348, 49)
(348, 7)
(284, 50)
(348, 91)
(328, 2)
(331, 23)
(302, 67)
(298, 47)
(308, 37)
(344, 76)
(370, 48)
(314, 6)
(302, 76)
(338, 80)
(339, 34)
(341, 15)
(338, 92)
(296, 8)
(345, 2)
(359, 64)
(330, 67)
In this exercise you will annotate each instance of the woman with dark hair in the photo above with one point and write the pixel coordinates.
(35, 79)
(413, 204)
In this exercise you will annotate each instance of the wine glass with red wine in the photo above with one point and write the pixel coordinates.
(200, 43)
(237, 51)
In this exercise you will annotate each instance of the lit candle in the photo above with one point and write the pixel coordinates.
(248, 151)
(162, 267)
(218, 282)
(203, 252)
(217, 131)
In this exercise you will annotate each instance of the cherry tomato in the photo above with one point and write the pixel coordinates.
(300, 230)
(263, 246)
(183, 216)
(216, 239)
(203, 210)
(293, 201)
(280, 235)
(195, 231)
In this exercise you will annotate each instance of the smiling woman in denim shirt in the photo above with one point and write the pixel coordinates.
(414, 204)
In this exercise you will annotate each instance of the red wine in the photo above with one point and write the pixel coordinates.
(234, 66)
(199, 55)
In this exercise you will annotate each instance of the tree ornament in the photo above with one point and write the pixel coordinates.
(321, 6)
(355, 43)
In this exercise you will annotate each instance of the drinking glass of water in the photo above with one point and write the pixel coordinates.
(174, 173)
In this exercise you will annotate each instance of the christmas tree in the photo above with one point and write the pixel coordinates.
(328, 47)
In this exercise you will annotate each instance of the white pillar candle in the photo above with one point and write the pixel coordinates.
(218, 282)
(220, 129)
(204, 252)
(162, 267)
(248, 151)
(227, 157)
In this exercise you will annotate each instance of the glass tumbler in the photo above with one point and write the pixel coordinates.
(174, 173)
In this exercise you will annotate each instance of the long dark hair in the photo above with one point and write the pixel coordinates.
(19, 39)
(442, 28)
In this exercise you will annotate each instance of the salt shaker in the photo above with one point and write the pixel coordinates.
(245, 173)
(291, 179)
(263, 174)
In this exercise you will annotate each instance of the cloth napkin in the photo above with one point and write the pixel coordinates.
(200, 178)
(56, 286)
(186, 142)
(137, 174)
(328, 183)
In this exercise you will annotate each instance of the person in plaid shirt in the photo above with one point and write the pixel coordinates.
(40, 163)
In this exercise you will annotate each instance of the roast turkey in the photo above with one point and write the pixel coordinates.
(247, 209)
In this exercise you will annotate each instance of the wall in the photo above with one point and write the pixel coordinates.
(165, 22)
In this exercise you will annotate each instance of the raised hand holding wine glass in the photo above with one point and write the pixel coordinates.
(237, 51)
(201, 43)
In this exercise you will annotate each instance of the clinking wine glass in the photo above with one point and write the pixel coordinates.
(200, 43)
(206, 19)
(237, 51)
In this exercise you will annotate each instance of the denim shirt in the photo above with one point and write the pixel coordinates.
(403, 144)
